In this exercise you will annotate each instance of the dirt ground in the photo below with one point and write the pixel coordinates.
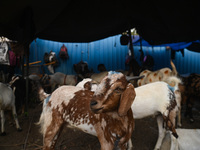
(144, 137)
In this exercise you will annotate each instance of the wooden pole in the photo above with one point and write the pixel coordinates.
(36, 62)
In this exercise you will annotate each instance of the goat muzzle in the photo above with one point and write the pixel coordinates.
(175, 135)
(93, 103)
(93, 106)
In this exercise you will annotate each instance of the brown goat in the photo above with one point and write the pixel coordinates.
(106, 113)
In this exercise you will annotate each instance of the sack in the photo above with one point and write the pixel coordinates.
(63, 54)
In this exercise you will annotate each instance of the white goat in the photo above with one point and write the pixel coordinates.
(7, 102)
(156, 99)
(106, 113)
(58, 79)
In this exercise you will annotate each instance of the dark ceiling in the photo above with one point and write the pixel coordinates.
(156, 21)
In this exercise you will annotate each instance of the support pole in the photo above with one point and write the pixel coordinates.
(26, 75)
(141, 43)
(131, 43)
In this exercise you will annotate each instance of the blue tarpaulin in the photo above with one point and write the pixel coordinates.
(137, 40)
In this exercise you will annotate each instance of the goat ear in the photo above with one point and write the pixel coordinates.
(88, 85)
(127, 99)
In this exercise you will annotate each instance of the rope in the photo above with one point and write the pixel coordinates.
(116, 142)
(25, 142)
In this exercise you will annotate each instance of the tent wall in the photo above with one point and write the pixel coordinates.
(190, 63)
(108, 51)
(112, 54)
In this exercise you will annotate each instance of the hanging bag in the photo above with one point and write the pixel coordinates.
(63, 54)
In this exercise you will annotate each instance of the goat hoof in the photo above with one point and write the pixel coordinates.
(179, 125)
(3, 133)
(19, 129)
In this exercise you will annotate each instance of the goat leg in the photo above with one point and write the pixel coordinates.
(51, 136)
(16, 119)
(179, 118)
(3, 133)
(189, 106)
(161, 132)
(130, 145)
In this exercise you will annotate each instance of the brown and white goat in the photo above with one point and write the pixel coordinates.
(7, 102)
(159, 75)
(105, 113)
(156, 98)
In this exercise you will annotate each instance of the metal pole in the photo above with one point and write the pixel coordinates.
(26, 75)
(131, 43)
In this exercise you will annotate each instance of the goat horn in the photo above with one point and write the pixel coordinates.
(128, 78)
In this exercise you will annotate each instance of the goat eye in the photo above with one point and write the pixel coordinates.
(118, 89)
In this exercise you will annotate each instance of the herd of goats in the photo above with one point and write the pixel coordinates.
(103, 104)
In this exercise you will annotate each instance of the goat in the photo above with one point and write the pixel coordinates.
(189, 140)
(7, 102)
(145, 95)
(101, 68)
(82, 69)
(58, 79)
(105, 113)
(190, 91)
(86, 83)
(18, 84)
(169, 76)
(151, 97)
(99, 76)
(51, 57)
(155, 103)
(34, 77)
(159, 75)
(156, 99)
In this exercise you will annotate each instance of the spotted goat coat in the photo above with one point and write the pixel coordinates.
(106, 113)
(159, 75)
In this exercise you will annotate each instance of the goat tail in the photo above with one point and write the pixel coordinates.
(174, 82)
(45, 118)
(46, 115)
(174, 71)
(42, 94)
